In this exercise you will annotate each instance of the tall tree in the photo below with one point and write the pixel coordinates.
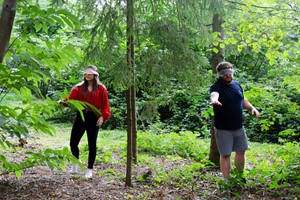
(130, 94)
(218, 56)
(8, 14)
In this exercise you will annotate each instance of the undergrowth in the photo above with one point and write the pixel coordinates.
(179, 160)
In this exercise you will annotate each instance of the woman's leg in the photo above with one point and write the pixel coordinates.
(92, 135)
(76, 135)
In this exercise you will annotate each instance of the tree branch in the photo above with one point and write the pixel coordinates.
(261, 7)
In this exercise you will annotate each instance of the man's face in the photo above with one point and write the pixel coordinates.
(227, 78)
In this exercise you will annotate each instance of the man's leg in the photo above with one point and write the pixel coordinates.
(239, 161)
(225, 165)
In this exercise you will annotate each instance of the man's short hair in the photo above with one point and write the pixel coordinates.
(223, 65)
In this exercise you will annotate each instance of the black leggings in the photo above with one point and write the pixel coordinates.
(79, 127)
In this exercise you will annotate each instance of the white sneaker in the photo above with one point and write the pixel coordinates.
(89, 174)
(74, 169)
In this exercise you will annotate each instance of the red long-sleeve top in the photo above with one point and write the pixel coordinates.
(98, 98)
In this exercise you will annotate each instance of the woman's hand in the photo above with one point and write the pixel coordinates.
(100, 121)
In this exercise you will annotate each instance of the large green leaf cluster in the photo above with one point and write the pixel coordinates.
(36, 55)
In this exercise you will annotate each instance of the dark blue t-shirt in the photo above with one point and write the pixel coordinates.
(229, 116)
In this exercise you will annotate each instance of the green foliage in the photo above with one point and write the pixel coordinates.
(177, 160)
(268, 165)
(181, 110)
(293, 81)
(264, 31)
(49, 157)
(279, 116)
(184, 144)
(36, 55)
(265, 50)
(16, 119)
(277, 166)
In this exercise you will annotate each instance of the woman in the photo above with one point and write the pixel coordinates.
(93, 92)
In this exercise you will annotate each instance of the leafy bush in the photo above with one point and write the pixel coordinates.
(275, 166)
(279, 116)
(185, 144)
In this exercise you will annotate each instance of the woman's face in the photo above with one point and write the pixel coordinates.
(89, 77)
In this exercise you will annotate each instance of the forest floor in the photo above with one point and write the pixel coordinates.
(44, 183)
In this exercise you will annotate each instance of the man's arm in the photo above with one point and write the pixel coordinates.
(247, 105)
(214, 99)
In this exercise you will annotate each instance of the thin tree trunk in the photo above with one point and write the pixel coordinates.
(133, 95)
(6, 24)
(134, 123)
(130, 95)
(214, 155)
(128, 182)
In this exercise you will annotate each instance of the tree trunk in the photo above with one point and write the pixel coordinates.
(134, 122)
(128, 182)
(130, 95)
(218, 57)
(6, 24)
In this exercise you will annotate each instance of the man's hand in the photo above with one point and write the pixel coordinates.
(215, 103)
(254, 112)
(214, 96)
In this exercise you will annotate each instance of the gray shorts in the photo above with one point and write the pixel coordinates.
(231, 140)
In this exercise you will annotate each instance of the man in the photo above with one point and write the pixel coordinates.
(228, 100)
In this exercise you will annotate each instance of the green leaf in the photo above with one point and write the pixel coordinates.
(19, 173)
(49, 45)
(65, 151)
(26, 95)
(58, 19)
(215, 43)
(57, 42)
(50, 10)
(215, 34)
(2, 145)
(45, 27)
(50, 21)
(63, 11)
(38, 26)
(68, 21)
